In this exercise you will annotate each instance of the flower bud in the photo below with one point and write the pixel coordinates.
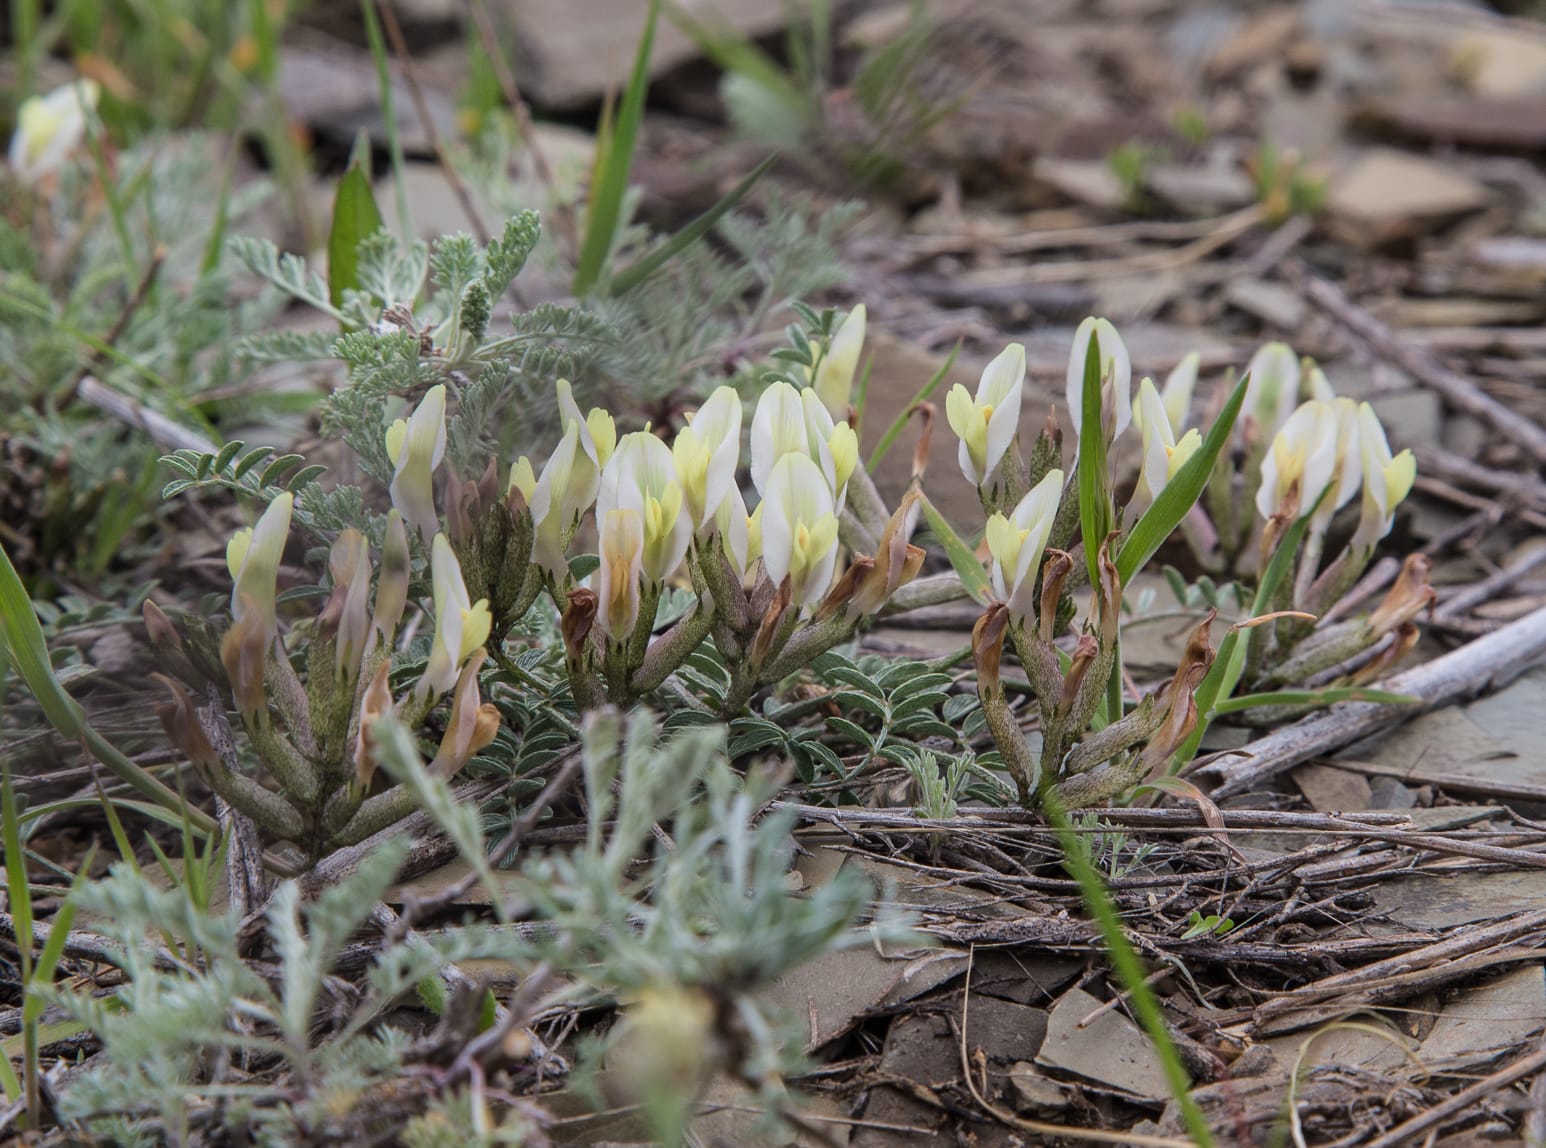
(391, 584)
(347, 613)
(834, 379)
(471, 727)
(376, 702)
(253, 556)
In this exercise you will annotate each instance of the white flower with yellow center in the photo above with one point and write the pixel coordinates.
(1016, 544)
(988, 423)
(705, 454)
(788, 421)
(598, 433)
(1300, 464)
(50, 127)
(1116, 377)
(834, 381)
(416, 445)
(799, 529)
(1387, 481)
(1163, 454)
(461, 626)
(641, 477)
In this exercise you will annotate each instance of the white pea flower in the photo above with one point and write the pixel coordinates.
(253, 556)
(788, 421)
(706, 452)
(1347, 463)
(1016, 545)
(834, 379)
(461, 625)
(618, 579)
(641, 476)
(799, 529)
(1163, 454)
(1273, 391)
(987, 423)
(1387, 481)
(50, 127)
(1301, 462)
(416, 445)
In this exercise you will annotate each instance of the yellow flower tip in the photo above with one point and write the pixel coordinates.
(845, 452)
(959, 410)
(603, 432)
(396, 436)
(236, 550)
(476, 624)
(523, 478)
(1177, 456)
(1400, 475)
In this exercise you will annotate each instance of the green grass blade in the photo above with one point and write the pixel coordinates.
(962, 557)
(735, 54)
(378, 51)
(1327, 697)
(895, 429)
(53, 949)
(23, 638)
(1130, 972)
(645, 266)
(615, 163)
(17, 891)
(355, 216)
(1181, 492)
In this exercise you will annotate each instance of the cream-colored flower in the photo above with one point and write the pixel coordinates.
(706, 452)
(598, 433)
(834, 381)
(1347, 463)
(1116, 377)
(1175, 395)
(416, 445)
(987, 424)
(1016, 544)
(788, 421)
(641, 477)
(50, 127)
(619, 577)
(461, 626)
(253, 556)
(1387, 481)
(1163, 454)
(799, 529)
(1273, 391)
(739, 532)
(1301, 462)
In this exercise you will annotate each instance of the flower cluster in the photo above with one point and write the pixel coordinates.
(1298, 458)
(773, 588)
(313, 736)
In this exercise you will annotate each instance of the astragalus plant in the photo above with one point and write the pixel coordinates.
(1298, 461)
(611, 531)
